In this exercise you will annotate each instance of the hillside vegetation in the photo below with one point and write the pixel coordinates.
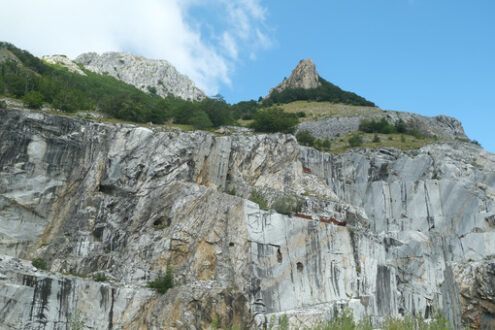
(314, 111)
(37, 83)
(25, 76)
(325, 92)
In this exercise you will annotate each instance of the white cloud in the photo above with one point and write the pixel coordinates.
(152, 28)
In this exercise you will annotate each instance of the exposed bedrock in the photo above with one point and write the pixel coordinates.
(412, 231)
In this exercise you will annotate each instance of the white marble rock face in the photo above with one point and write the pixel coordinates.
(143, 73)
(126, 201)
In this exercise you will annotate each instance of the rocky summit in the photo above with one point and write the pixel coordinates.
(152, 76)
(110, 207)
(303, 76)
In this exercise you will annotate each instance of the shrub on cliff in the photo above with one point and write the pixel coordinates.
(257, 197)
(40, 263)
(163, 282)
(305, 138)
(287, 205)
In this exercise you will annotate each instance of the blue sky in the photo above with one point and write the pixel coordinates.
(425, 56)
(428, 57)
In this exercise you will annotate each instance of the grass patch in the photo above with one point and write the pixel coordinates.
(375, 141)
(321, 110)
(345, 321)
(100, 277)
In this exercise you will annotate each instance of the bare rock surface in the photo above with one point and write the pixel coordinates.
(440, 126)
(384, 232)
(303, 76)
(155, 76)
(65, 62)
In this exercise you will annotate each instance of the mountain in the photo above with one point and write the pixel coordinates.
(385, 232)
(154, 76)
(254, 230)
(304, 83)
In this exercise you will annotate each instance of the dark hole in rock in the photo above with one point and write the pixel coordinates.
(162, 222)
(300, 267)
(279, 255)
(98, 232)
(428, 311)
(231, 244)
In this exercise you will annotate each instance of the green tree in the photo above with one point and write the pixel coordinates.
(244, 109)
(304, 137)
(199, 119)
(355, 140)
(218, 111)
(326, 144)
(274, 120)
(33, 99)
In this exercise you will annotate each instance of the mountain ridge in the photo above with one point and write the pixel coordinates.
(148, 75)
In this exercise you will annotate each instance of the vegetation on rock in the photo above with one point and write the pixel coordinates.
(40, 263)
(258, 197)
(29, 78)
(325, 92)
(163, 282)
(287, 205)
(384, 127)
(100, 277)
(304, 137)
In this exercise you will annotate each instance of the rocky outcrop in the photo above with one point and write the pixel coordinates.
(303, 76)
(383, 231)
(477, 289)
(439, 126)
(65, 62)
(153, 76)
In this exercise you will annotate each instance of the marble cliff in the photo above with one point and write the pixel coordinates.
(384, 232)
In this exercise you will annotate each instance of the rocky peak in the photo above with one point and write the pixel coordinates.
(304, 76)
(153, 76)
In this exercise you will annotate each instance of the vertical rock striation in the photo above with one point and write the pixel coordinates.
(400, 232)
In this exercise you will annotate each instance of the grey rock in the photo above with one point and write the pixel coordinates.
(145, 74)
(303, 76)
(477, 288)
(126, 200)
(440, 126)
